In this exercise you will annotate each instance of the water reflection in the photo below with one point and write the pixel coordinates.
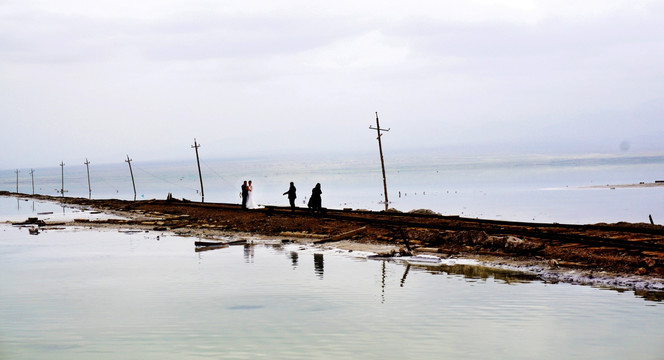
(227, 308)
(249, 253)
(470, 273)
(294, 258)
(483, 273)
(650, 295)
(18, 204)
(383, 276)
(405, 273)
(319, 266)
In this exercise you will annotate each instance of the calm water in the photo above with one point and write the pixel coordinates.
(522, 188)
(110, 295)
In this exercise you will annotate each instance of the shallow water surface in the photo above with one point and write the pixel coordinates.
(520, 188)
(112, 295)
(20, 209)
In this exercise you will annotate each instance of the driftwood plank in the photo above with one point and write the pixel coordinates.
(341, 236)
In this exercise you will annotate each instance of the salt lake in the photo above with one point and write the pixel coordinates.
(77, 293)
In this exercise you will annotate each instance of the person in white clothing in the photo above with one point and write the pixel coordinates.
(250, 198)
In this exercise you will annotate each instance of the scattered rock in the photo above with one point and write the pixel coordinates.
(650, 262)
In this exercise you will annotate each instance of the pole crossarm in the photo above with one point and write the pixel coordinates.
(379, 130)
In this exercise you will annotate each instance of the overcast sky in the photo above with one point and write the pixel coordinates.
(103, 79)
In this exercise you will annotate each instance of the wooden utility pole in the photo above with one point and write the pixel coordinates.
(87, 165)
(382, 162)
(196, 146)
(32, 174)
(128, 161)
(62, 188)
(16, 171)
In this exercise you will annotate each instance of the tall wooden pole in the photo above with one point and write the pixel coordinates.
(62, 188)
(196, 146)
(382, 162)
(32, 174)
(87, 165)
(16, 171)
(128, 161)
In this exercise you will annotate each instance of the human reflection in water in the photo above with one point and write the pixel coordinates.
(248, 253)
(294, 258)
(318, 265)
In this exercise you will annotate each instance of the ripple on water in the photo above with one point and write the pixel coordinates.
(161, 299)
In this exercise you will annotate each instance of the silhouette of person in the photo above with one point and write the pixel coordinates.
(245, 194)
(250, 197)
(315, 201)
(291, 196)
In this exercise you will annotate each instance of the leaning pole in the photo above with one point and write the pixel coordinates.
(196, 146)
(128, 161)
(382, 162)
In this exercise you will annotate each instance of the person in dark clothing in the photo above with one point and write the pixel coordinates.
(315, 201)
(245, 194)
(291, 196)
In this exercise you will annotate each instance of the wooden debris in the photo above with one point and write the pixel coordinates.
(341, 236)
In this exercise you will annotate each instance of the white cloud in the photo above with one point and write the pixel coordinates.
(370, 51)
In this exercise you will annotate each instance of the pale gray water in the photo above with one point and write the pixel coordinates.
(109, 295)
(521, 188)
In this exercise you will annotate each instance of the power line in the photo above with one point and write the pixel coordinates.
(164, 180)
(218, 175)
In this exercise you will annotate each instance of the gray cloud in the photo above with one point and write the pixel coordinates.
(85, 83)
(52, 37)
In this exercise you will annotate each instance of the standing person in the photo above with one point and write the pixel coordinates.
(245, 194)
(315, 202)
(250, 196)
(291, 196)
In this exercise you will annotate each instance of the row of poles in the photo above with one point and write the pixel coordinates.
(62, 187)
(32, 174)
(198, 163)
(87, 166)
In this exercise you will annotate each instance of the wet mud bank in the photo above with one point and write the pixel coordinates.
(620, 255)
